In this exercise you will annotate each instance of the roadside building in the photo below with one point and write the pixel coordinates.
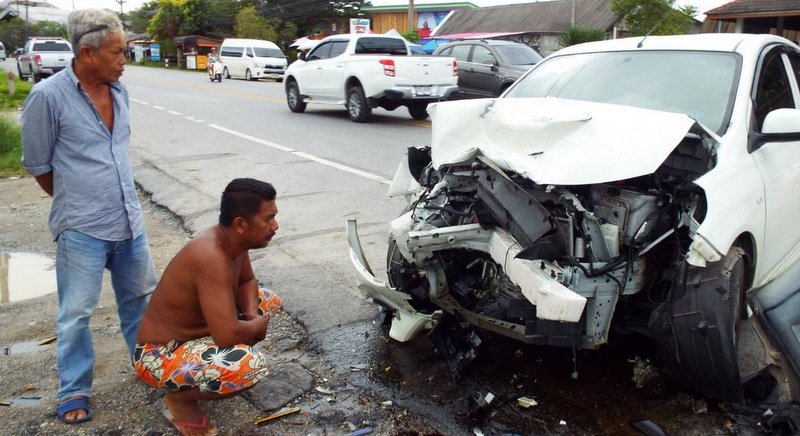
(778, 17)
(536, 24)
(428, 15)
(32, 11)
(192, 50)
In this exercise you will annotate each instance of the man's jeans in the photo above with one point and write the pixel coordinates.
(80, 261)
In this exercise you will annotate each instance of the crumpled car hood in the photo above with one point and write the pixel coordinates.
(554, 141)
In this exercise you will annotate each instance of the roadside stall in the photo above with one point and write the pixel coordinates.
(193, 50)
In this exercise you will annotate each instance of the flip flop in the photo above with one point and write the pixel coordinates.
(71, 404)
(182, 427)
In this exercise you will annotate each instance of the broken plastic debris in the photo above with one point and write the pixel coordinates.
(46, 341)
(526, 402)
(325, 391)
(642, 370)
(386, 403)
(699, 407)
(362, 431)
(562, 422)
(283, 412)
(359, 367)
(477, 431)
(5, 403)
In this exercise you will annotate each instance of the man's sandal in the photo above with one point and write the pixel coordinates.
(188, 428)
(72, 404)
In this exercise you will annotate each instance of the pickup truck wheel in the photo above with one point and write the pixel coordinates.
(293, 98)
(226, 73)
(357, 107)
(21, 76)
(37, 77)
(247, 75)
(418, 111)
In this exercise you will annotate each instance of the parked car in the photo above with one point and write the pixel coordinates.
(252, 59)
(364, 71)
(641, 185)
(488, 67)
(2, 52)
(42, 57)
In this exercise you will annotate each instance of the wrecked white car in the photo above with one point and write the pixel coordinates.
(645, 185)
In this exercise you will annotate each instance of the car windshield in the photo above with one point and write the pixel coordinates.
(518, 54)
(699, 84)
(263, 52)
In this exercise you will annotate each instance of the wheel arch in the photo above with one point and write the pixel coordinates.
(747, 242)
(351, 83)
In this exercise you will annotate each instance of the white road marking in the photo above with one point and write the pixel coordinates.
(139, 101)
(158, 107)
(175, 113)
(190, 118)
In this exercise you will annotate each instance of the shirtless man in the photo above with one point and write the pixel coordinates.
(197, 334)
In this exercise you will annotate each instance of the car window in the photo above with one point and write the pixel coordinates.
(51, 46)
(321, 51)
(232, 51)
(517, 54)
(337, 48)
(773, 88)
(697, 83)
(445, 51)
(794, 60)
(249, 52)
(461, 52)
(381, 45)
(482, 55)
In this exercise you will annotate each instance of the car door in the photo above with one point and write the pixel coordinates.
(461, 53)
(778, 158)
(483, 71)
(331, 71)
(309, 73)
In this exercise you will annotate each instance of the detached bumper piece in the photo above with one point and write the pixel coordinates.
(407, 322)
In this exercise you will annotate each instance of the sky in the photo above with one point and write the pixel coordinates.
(128, 5)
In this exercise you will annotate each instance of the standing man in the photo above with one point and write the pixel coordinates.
(75, 136)
(197, 334)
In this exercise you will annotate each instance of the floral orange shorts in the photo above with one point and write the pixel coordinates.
(177, 366)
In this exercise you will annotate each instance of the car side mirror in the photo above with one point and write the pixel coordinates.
(302, 56)
(782, 121)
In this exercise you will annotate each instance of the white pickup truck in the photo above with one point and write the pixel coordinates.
(365, 71)
(42, 57)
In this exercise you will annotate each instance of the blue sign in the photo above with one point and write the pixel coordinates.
(155, 52)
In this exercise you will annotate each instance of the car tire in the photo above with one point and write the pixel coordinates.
(418, 111)
(357, 108)
(37, 77)
(226, 73)
(293, 98)
(248, 75)
(696, 327)
(21, 76)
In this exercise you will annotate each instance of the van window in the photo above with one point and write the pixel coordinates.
(249, 52)
(264, 52)
(232, 51)
(51, 46)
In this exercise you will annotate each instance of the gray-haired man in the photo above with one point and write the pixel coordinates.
(75, 134)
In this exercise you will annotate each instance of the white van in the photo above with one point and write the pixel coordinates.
(2, 52)
(252, 59)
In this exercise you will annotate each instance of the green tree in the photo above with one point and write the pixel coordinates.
(249, 24)
(654, 17)
(48, 28)
(179, 17)
(578, 35)
(139, 19)
(12, 33)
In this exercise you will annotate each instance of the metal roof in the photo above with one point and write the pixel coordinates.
(35, 11)
(541, 17)
(757, 7)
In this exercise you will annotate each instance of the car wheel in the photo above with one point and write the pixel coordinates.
(37, 77)
(226, 73)
(19, 70)
(357, 107)
(418, 111)
(696, 327)
(247, 75)
(293, 98)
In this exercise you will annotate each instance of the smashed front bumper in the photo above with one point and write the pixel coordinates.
(553, 301)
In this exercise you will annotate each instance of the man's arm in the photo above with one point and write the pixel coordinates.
(45, 181)
(247, 293)
(218, 303)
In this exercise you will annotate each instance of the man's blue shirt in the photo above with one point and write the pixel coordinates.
(62, 132)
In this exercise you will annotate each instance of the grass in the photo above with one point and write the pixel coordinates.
(10, 132)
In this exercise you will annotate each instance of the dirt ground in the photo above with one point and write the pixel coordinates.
(124, 406)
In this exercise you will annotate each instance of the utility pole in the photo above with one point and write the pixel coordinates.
(412, 24)
(572, 22)
(121, 12)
